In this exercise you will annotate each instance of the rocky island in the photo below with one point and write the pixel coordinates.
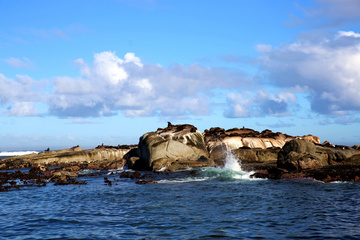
(180, 147)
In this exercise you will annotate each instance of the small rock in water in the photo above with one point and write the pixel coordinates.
(146, 182)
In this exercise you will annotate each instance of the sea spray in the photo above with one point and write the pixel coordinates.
(233, 164)
(231, 171)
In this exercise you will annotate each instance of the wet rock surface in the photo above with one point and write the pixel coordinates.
(9, 180)
(37, 177)
(300, 155)
(146, 182)
(182, 147)
(343, 173)
(219, 141)
(302, 159)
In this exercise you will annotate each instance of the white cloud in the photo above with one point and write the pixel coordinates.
(347, 34)
(18, 90)
(131, 58)
(328, 70)
(263, 48)
(145, 84)
(112, 84)
(107, 66)
(21, 109)
(239, 107)
(20, 96)
(18, 63)
(259, 104)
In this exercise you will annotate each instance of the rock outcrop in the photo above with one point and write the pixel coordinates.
(219, 141)
(66, 156)
(299, 154)
(178, 145)
(303, 159)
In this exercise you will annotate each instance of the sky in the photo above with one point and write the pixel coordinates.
(92, 72)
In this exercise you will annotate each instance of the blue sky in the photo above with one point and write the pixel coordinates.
(92, 72)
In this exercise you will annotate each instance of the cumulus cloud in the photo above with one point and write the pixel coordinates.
(18, 63)
(259, 104)
(329, 70)
(347, 34)
(19, 96)
(21, 109)
(111, 84)
(20, 89)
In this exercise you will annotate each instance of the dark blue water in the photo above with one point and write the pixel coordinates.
(213, 204)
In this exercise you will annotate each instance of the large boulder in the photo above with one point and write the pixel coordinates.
(133, 161)
(353, 160)
(325, 162)
(299, 154)
(336, 155)
(170, 145)
(251, 155)
(219, 141)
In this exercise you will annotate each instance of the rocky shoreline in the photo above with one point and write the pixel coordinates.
(180, 147)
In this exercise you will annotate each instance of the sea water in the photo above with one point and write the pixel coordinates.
(205, 203)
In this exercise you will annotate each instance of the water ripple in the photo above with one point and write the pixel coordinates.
(211, 209)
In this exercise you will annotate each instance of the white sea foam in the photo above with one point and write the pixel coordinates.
(118, 170)
(161, 169)
(88, 171)
(20, 153)
(231, 171)
(184, 180)
(234, 164)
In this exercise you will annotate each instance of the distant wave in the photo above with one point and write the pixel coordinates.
(9, 154)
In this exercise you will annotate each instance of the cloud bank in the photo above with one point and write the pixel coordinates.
(111, 84)
(326, 71)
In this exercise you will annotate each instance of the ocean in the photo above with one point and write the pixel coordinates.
(208, 203)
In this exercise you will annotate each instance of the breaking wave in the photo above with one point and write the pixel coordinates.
(231, 171)
(10, 154)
